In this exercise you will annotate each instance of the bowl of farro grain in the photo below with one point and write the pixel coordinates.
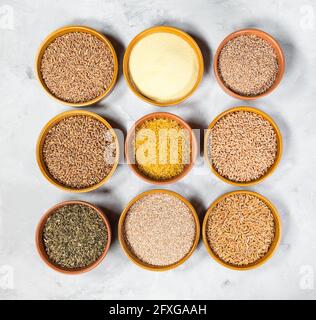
(243, 146)
(249, 64)
(77, 66)
(77, 151)
(241, 230)
(159, 230)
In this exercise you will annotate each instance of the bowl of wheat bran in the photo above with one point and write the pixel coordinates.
(77, 66)
(77, 151)
(159, 230)
(243, 146)
(241, 230)
(249, 64)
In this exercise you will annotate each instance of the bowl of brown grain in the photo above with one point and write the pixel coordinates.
(241, 230)
(77, 66)
(249, 64)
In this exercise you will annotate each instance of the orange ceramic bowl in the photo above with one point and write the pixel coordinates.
(41, 248)
(275, 242)
(166, 29)
(126, 247)
(263, 35)
(69, 29)
(129, 151)
(279, 146)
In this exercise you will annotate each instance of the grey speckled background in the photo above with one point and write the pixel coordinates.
(25, 194)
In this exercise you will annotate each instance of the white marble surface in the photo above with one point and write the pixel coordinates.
(25, 108)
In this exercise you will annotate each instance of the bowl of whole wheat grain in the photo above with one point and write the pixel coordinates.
(249, 64)
(77, 66)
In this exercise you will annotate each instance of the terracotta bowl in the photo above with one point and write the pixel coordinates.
(129, 147)
(279, 146)
(40, 245)
(146, 33)
(69, 29)
(273, 246)
(130, 254)
(265, 36)
(41, 140)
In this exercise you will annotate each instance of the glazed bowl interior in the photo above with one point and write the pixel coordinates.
(130, 150)
(129, 252)
(273, 246)
(41, 140)
(279, 55)
(159, 29)
(41, 247)
(70, 29)
(278, 138)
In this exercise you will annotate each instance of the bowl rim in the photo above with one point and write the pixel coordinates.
(166, 29)
(274, 245)
(125, 247)
(70, 29)
(278, 137)
(267, 37)
(40, 246)
(41, 138)
(193, 148)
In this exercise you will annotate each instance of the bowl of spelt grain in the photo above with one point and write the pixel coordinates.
(241, 230)
(159, 230)
(243, 146)
(73, 237)
(160, 148)
(77, 151)
(77, 66)
(249, 64)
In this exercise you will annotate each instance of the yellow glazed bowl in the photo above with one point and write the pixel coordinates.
(273, 246)
(278, 137)
(69, 29)
(148, 32)
(126, 248)
(40, 143)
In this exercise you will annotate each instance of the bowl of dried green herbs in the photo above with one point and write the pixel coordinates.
(73, 237)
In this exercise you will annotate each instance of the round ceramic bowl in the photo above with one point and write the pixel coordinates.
(273, 246)
(69, 29)
(130, 138)
(263, 35)
(130, 254)
(41, 248)
(279, 147)
(146, 33)
(41, 140)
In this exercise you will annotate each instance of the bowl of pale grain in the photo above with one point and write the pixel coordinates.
(159, 230)
(249, 64)
(77, 66)
(243, 146)
(77, 151)
(241, 230)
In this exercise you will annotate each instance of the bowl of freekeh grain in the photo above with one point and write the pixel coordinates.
(249, 64)
(241, 230)
(73, 237)
(160, 148)
(77, 66)
(77, 151)
(243, 146)
(159, 230)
